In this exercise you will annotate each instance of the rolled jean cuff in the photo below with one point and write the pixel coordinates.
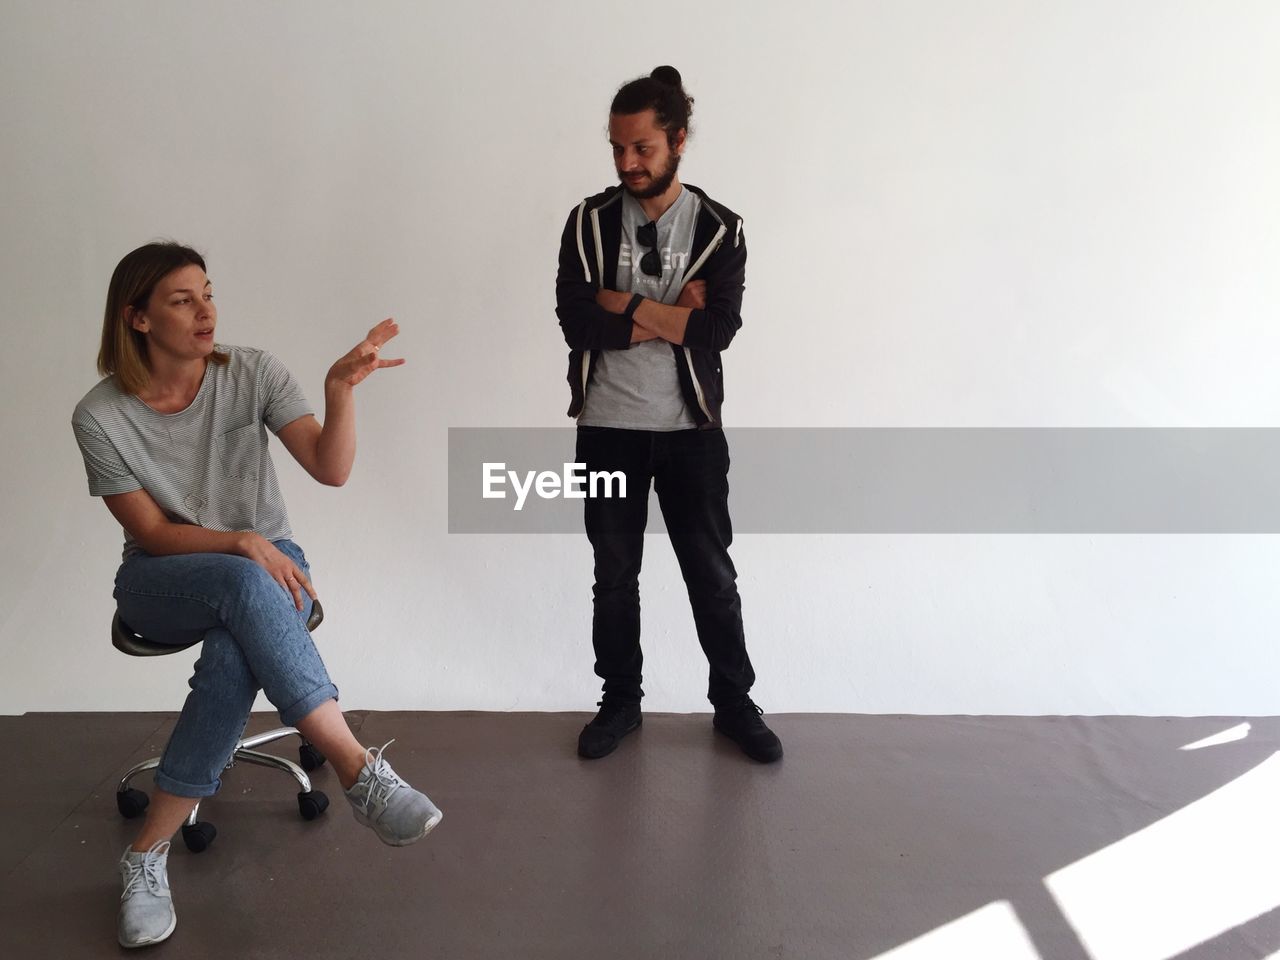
(291, 714)
(189, 790)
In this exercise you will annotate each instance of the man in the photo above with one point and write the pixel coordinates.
(648, 293)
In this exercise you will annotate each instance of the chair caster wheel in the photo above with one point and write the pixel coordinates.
(198, 836)
(312, 804)
(131, 802)
(309, 758)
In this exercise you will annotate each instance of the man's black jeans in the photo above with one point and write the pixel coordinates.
(690, 472)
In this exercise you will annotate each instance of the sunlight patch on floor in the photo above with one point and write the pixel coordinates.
(1238, 732)
(1188, 878)
(992, 932)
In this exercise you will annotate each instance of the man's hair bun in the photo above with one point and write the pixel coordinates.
(668, 75)
(661, 91)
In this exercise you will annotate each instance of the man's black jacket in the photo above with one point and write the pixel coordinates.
(589, 262)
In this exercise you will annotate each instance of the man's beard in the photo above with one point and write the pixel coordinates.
(659, 185)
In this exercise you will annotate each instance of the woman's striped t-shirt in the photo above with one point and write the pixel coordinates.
(206, 465)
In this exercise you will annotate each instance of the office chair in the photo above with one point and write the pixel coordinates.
(198, 834)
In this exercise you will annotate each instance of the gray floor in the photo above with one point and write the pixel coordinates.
(873, 831)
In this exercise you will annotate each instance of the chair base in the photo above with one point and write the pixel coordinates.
(197, 834)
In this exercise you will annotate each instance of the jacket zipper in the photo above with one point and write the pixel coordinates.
(688, 354)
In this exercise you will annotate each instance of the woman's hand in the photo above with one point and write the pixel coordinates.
(327, 452)
(283, 570)
(363, 358)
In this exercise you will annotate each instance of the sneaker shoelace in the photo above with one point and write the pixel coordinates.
(610, 710)
(383, 781)
(751, 715)
(146, 872)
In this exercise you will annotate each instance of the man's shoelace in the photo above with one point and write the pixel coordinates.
(145, 873)
(749, 713)
(610, 710)
(383, 781)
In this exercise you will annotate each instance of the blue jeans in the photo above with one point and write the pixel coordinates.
(254, 638)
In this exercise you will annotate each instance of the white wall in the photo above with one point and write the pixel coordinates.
(992, 213)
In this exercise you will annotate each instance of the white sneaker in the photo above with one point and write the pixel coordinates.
(397, 813)
(146, 905)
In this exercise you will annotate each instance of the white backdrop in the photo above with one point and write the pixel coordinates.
(999, 213)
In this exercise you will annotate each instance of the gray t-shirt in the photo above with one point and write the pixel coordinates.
(206, 465)
(637, 388)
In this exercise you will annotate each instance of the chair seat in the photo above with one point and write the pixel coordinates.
(125, 639)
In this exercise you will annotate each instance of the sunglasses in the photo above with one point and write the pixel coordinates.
(647, 236)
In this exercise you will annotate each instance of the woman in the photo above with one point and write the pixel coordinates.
(174, 440)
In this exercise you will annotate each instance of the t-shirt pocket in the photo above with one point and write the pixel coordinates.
(239, 453)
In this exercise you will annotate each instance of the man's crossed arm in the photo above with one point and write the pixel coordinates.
(652, 320)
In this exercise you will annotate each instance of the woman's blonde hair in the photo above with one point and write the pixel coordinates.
(124, 349)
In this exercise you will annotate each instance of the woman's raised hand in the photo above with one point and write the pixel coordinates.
(363, 358)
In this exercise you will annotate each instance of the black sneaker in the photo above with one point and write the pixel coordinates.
(742, 722)
(616, 719)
